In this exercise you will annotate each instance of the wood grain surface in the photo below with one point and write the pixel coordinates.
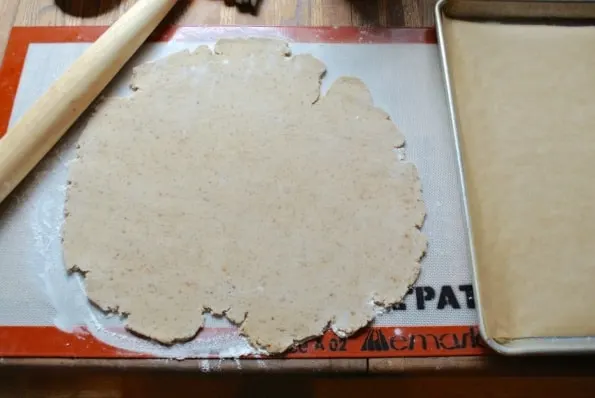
(93, 384)
(392, 13)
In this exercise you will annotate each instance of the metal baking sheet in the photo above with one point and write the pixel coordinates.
(44, 313)
(508, 12)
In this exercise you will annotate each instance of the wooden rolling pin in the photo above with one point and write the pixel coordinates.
(25, 144)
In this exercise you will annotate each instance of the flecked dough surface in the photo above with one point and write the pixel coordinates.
(227, 184)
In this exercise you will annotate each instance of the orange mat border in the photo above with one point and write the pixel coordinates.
(372, 342)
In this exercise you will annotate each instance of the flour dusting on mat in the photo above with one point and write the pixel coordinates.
(226, 184)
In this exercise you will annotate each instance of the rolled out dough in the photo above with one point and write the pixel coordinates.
(224, 184)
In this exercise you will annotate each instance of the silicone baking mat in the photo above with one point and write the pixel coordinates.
(44, 312)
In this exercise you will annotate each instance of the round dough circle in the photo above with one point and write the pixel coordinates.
(225, 184)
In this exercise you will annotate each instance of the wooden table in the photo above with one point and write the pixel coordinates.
(392, 13)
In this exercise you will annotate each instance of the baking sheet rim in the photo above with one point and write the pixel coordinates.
(520, 346)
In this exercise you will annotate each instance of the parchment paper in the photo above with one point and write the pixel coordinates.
(526, 106)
